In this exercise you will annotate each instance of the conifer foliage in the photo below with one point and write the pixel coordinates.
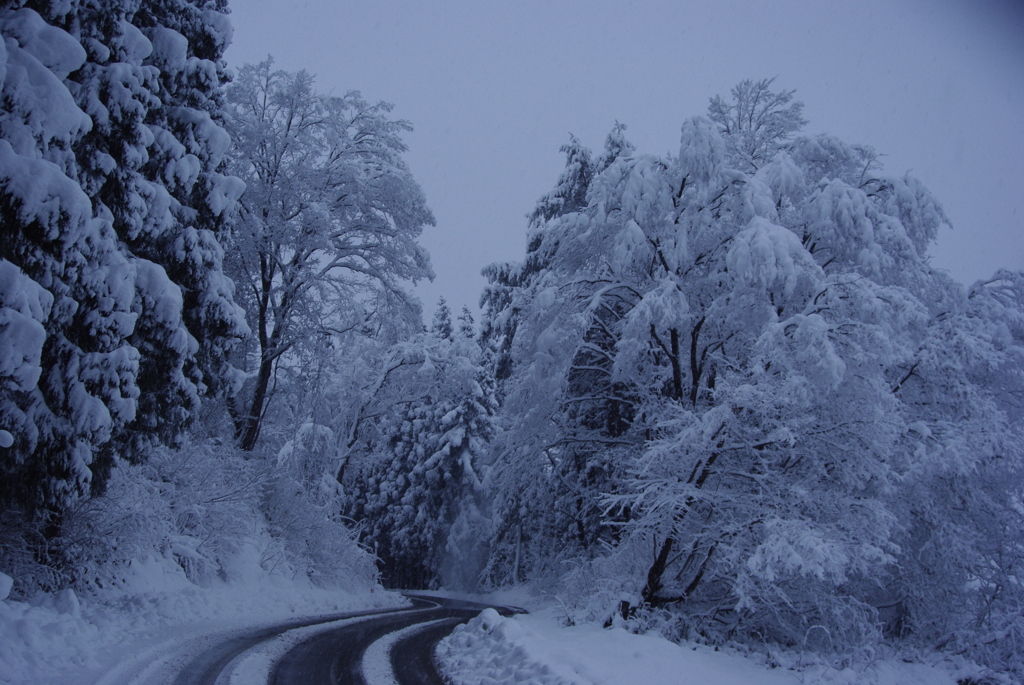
(421, 491)
(112, 204)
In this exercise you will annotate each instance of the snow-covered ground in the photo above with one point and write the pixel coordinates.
(536, 648)
(147, 635)
(152, 626)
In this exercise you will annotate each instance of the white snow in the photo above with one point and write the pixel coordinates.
(39, 105)
(148, 636)
(149, 632)
(224, 193)
(24, 306)
(255, 665)
(55, 49)
(537, 649)
(170, 48)
(701, 150)
(377, 658)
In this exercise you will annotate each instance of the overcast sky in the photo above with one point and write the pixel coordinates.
(494, 89)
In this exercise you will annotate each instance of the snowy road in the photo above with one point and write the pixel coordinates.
(371, 648)
(213, 664)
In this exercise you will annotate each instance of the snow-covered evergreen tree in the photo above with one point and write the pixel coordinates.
(153, 78)
(192, 79)
(420, 492)
(70, 378)
(467, 325)
(507, 281)
(569, 422)
(441, 325)
(102, 209)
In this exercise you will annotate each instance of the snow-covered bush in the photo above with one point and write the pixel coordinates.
(315, 540)
(601, 590)
(192, 508)
(208, 512)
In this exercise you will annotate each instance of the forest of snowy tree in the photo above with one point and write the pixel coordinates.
(724, 395)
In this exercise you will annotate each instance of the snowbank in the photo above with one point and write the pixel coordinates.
(36, 639)
(536, 649)
(67, 639)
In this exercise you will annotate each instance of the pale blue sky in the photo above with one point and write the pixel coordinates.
(493, 89)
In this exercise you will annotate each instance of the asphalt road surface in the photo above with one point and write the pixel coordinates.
(334, 657)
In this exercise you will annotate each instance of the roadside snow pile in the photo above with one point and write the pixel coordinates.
(34, 638)
(489, 649)
(535, 649)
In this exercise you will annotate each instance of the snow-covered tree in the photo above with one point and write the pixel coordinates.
(727, 368)
(956, 584)
(757, 123)
(467, 325)
(328, 224)
(189, 38)
(104, 230)
(70, 376)
(152, 84)
(570, 192)
(441, 325)
(506, 281)
(420, 489)
(567, 423)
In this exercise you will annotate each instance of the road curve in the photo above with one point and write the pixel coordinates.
(205, 668)
(412, 657)
(335, 657)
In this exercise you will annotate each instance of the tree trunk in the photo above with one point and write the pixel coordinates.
(695, 366)
(656, 571)
(247, 428)
(519, 547)
(677, 371)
